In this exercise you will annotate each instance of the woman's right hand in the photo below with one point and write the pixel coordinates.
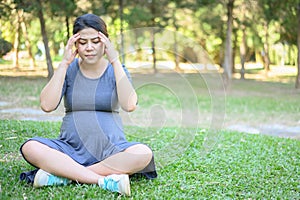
(51, 93)
(69, 53)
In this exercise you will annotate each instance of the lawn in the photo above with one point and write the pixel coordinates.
(175, 117)
(240, 166)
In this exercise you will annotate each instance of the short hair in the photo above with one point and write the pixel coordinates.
(89, 21)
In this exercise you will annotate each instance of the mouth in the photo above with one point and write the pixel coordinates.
(90, 56)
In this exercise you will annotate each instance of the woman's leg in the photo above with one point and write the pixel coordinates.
(57, 163)
(132, 160)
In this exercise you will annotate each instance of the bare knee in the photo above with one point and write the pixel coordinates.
(143, 154)
(139, 149)
(31, 149)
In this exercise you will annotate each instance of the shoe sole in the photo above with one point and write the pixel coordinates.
(127, 184)
(36, 177)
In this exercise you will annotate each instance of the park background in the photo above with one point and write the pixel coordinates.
(197, 65)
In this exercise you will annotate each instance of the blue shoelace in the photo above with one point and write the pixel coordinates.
(111, 184)
(55, 180)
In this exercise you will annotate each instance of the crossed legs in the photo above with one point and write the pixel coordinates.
(133, 159)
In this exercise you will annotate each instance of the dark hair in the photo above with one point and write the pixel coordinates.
(89, 21)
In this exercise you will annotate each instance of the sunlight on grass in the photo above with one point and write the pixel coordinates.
(235, 165)
(240, 166)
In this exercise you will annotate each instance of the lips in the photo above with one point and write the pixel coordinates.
(90, 56)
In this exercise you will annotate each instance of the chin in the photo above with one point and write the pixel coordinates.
(91, 60)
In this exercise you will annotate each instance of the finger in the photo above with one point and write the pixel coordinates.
(75, 53)
(102, 37)
(73, 39)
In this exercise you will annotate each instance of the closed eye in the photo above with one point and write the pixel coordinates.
(96, 41)
(82, 42)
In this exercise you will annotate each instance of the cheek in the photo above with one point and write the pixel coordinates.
(100, 48)
(81, 49)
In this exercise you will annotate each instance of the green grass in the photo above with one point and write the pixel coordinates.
(21, 91)
(239, 166)
(250, 100)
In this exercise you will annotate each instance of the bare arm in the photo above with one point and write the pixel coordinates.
(51, 93)
(126, 93)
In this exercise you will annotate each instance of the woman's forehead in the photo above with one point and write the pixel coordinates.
(88, 33)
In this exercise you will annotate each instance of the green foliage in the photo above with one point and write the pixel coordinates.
(27, 5)
(5, 47)
(5, 9)
(289, 22)
(203, 21)
(137, 16)
(68, 6)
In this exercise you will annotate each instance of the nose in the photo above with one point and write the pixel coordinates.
(89, 46)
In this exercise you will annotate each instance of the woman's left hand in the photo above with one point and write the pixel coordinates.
(110, 51)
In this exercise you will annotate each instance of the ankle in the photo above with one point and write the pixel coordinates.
(101, 182)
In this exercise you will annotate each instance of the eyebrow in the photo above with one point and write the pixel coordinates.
(89, 38)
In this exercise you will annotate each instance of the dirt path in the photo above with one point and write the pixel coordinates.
(279, 124)
(279, 130)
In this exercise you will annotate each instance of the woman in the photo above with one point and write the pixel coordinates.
(91, 147)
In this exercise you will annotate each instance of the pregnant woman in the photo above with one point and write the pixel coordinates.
(91, 147)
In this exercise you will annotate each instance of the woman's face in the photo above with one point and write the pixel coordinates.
(89, 46)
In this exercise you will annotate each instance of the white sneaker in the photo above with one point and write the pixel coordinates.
(116, 183)
(43, 178)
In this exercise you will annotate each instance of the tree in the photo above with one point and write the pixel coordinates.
(243, 20)
(297, 85)
(228, 52)
(176, 27)
(27, 41)
(45, 38)
(68, 11)
(290, 29)
(17, 39)
(37, 7)
(121, 12)
(228, 44)
(157, 18)
(5, 47)
(269, 10)
(53, 8)
(6, 6)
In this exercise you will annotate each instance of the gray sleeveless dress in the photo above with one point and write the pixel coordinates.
(92, 129)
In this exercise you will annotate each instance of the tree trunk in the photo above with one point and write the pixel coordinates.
(298, 47)
(45, 40)
(121, 31)
(68, 29)
(137, 46)
(234, 49)
(266, 48)
(177, 68)
(27, 41)
(153, 12)
(243, 51)
(153, 49)
(17, 41)
(228, 45)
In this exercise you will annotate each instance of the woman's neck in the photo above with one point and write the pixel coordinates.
(94, 70)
